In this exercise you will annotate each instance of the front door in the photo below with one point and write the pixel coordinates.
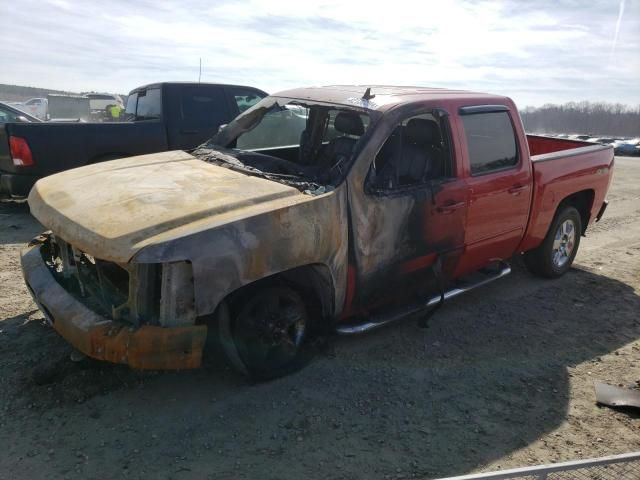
(411, 211)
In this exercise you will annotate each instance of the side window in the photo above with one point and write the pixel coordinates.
(331, 132)
(149, 104)
(245, 99)
(132, 102)
(203, 108)
(416, 152)
(7, 116)
(491, 141)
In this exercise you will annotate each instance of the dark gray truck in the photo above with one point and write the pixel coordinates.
(160, 117)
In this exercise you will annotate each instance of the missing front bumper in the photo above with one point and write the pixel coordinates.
(146, 347)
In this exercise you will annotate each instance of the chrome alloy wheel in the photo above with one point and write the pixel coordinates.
(563, 243)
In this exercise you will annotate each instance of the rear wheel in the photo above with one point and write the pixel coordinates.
(265, 332)
(555, 255)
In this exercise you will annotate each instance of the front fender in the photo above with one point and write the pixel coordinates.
(236, 254)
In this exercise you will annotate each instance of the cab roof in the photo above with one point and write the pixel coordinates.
(385, 96)
(161, 84)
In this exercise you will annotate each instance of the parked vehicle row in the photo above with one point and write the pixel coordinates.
(339, 208)
(162, 116)
(628, 147)
(9, 113)
(622, 146)
(36, 107)
(66, 107)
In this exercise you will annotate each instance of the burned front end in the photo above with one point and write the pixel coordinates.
(142, 315)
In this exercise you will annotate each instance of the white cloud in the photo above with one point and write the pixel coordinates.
(536, 53)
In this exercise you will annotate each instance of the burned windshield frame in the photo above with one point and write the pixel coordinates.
(328, 163)
(251, 118)
(242, 123)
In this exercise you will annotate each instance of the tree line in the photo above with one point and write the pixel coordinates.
(591, 118)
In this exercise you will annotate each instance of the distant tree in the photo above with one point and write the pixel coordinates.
(589, 118)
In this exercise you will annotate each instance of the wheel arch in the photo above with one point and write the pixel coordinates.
(581, 201)
(313, 281)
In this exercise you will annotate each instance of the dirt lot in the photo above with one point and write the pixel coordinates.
(502, 378)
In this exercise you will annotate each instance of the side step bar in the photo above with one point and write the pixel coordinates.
(461, 287)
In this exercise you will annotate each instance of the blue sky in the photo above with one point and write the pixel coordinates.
(534, 51)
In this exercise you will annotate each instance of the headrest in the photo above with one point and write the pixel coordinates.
(349, 123)
(421, 131)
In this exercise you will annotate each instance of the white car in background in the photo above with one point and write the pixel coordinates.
(36, 107)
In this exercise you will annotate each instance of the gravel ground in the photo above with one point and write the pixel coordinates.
(503, 377)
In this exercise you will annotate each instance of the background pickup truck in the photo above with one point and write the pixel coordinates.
(389, 201)
(162, 116)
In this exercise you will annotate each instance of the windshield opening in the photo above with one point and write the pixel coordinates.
(306, 144)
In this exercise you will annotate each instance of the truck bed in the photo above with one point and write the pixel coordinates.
(540, 145)
(58, 146)
(562, 167)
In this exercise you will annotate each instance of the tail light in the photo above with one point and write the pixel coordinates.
(20, 152)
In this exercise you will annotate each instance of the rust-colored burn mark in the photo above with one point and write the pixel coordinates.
(147, 347)
(351, 291)
(418, 263)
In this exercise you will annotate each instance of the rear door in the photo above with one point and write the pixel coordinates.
(499, 182)
(195, 112)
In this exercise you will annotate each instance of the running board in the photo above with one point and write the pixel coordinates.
(381, 320)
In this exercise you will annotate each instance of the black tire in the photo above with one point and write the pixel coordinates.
(265, 332)
(549, 261)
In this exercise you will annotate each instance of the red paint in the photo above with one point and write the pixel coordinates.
(539, 145)
(556, 180)
(496, 215)
(20, 152)
(418, 263)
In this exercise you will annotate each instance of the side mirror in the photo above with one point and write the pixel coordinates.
(221, 127)
(22, 119)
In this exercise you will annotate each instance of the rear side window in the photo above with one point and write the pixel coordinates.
(203, 108)
(245, 99)
(491, 142)
(149, 104)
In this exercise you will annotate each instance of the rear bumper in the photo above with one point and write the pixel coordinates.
(16, 185)
(146, 347)
(604, 206)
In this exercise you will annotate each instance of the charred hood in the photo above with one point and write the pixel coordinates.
(113, 209)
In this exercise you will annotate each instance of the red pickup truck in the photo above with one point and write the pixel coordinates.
(340, 207)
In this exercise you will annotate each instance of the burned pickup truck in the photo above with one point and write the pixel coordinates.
(340, 208)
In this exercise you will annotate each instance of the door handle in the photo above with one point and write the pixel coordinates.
(450, 207)
(187, 131)
(517, 189)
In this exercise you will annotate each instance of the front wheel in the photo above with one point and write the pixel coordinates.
(555, 255)
(264, 332)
